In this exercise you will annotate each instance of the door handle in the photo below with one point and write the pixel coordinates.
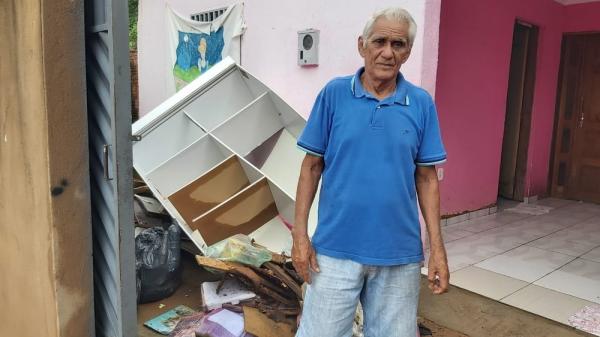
(105, 162)
(581, 114)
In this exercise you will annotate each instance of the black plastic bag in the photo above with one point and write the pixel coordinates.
(157, 263)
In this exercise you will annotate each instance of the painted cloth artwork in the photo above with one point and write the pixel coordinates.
(196, 46)
(371, 148)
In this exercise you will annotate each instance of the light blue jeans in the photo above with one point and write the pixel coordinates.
(389, 296)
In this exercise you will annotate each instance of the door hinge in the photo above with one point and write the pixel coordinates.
(136, 138)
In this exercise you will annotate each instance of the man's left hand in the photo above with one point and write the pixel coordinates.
(438, 274)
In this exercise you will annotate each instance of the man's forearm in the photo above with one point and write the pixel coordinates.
(429, 199)
(310, 174)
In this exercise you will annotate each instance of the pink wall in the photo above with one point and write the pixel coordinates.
(583, 17)
(472, 80)
(269, 45)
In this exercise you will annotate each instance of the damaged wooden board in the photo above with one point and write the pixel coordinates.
(210, 189)
(253, 279)
(260, 325)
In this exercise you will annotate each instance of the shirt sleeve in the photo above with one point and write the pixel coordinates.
(315, 136)
(431, 150)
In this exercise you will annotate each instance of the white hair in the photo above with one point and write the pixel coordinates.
(396, 14)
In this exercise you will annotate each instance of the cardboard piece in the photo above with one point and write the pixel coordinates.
(260, 325)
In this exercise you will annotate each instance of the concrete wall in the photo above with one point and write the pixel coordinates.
(45, 273)
(582, 17)
(269, 46)
(472, 82)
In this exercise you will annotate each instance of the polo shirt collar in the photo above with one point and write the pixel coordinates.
(400, 96)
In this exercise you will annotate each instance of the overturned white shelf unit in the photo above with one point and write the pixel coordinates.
(221, 157)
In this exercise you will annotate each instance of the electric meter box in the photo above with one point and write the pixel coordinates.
(308, 48)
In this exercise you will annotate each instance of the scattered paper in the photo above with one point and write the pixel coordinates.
(530, 209)
(231, 321)
(232, 291)
(587, 319)
(166, 322)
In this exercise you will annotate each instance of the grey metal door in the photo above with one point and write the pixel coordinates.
(109, 119)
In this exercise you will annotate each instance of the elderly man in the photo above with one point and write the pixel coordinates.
(374, 139)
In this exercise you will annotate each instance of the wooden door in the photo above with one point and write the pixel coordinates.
(576, 169)
(519, 101)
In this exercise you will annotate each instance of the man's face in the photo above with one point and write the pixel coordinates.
(386, 50)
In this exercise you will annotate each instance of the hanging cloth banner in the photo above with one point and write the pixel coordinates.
(196, 46)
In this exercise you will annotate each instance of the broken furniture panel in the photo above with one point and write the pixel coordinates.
(221, 157)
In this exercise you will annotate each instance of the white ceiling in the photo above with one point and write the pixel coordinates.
(573, 2)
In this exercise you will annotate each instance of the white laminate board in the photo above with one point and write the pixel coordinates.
(187, 165)
(168, 138)
(221, 101)
(288, 115)
(285, 204)
(274, 235)
(283, 163)
(250, 127)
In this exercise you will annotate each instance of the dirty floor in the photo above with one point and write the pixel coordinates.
(438, 330)
(189, 294)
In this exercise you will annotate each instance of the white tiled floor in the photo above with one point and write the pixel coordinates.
(547, 264)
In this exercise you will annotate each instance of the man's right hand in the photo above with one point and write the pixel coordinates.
(304, 257)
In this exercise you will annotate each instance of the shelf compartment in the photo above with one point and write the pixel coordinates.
(243, 213)
(223, 99)
(187, 165)
(165, 140)
(212, 188)
(265, 134)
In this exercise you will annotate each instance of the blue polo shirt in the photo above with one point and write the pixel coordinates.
(368, 203)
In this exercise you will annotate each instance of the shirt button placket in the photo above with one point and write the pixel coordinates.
(376, 121)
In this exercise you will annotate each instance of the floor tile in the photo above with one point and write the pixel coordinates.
(453, 234)
(572, 215)
(488, 222)
(461, 254)
(590, 228)
(448, 234)
(547, 303)
(567, 241)
(524, 232)
(489, 241)
(556, 203)
(525, 263)
(592, 255)
(485, 282)
(580, 278)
